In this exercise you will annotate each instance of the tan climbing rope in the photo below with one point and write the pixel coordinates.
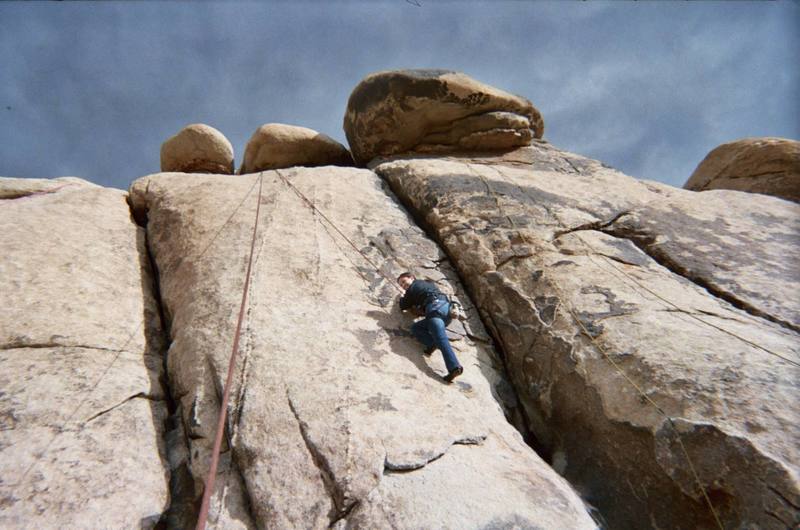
(333, 225)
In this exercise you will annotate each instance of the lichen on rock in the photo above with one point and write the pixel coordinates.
(435, 111)
(336, 417)
(607, 304)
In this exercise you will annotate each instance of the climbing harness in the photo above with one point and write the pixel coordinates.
(456, 310)
(212, 472)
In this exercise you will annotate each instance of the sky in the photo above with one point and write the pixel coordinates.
(93, 89)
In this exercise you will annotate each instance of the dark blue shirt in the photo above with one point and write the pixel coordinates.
(419, 294)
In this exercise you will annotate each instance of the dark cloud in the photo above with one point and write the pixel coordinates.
(648, 87)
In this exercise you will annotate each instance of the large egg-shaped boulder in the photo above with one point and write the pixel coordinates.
(759, 165)
(277, 146)
(197, 148)
(435, 111)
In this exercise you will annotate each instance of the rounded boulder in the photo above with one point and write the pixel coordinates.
(277, 146)
(435, 111)
(197, 148)
(759, 165)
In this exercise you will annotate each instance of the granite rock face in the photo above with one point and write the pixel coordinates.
(336, 418)
(435, 111)
(278, 146)
(197, 148)
(758, 165)
(81, 402)
(637, 320)
(742, 248)
(649, 337)
(14, 188)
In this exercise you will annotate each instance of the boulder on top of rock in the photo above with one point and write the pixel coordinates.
(197, 148)
(435, 111)
(278, 146)
(758, 165)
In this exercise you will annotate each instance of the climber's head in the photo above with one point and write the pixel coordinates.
(405, 280)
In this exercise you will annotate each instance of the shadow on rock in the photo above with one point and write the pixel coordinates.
(402, 342)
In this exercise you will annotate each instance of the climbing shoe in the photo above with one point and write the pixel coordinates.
(453, 374)
(429, 351)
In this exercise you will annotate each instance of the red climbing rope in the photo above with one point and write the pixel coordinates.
(223, 409)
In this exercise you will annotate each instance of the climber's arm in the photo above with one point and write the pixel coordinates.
(409, 298)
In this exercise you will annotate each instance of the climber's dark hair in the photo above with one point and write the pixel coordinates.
(406, 275)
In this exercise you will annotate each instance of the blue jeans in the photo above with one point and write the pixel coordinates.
(431, 331)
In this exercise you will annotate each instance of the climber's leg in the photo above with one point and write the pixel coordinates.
(420, 331)
(436, 328)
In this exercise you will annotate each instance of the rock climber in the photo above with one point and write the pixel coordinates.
(425, 298)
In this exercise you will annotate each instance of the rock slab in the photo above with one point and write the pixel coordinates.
(636, 320)
(336, 419)
(81, 403)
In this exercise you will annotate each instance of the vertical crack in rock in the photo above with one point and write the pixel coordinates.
(184, 502)
(236, 415)
(325, 471)
(233, 418)
(646, 243)
(562, 409)
(520, 422)
(185, 498)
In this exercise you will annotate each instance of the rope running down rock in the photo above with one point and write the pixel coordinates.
(209, 485)
(119, 351)
(601, 348)
(314, 207)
